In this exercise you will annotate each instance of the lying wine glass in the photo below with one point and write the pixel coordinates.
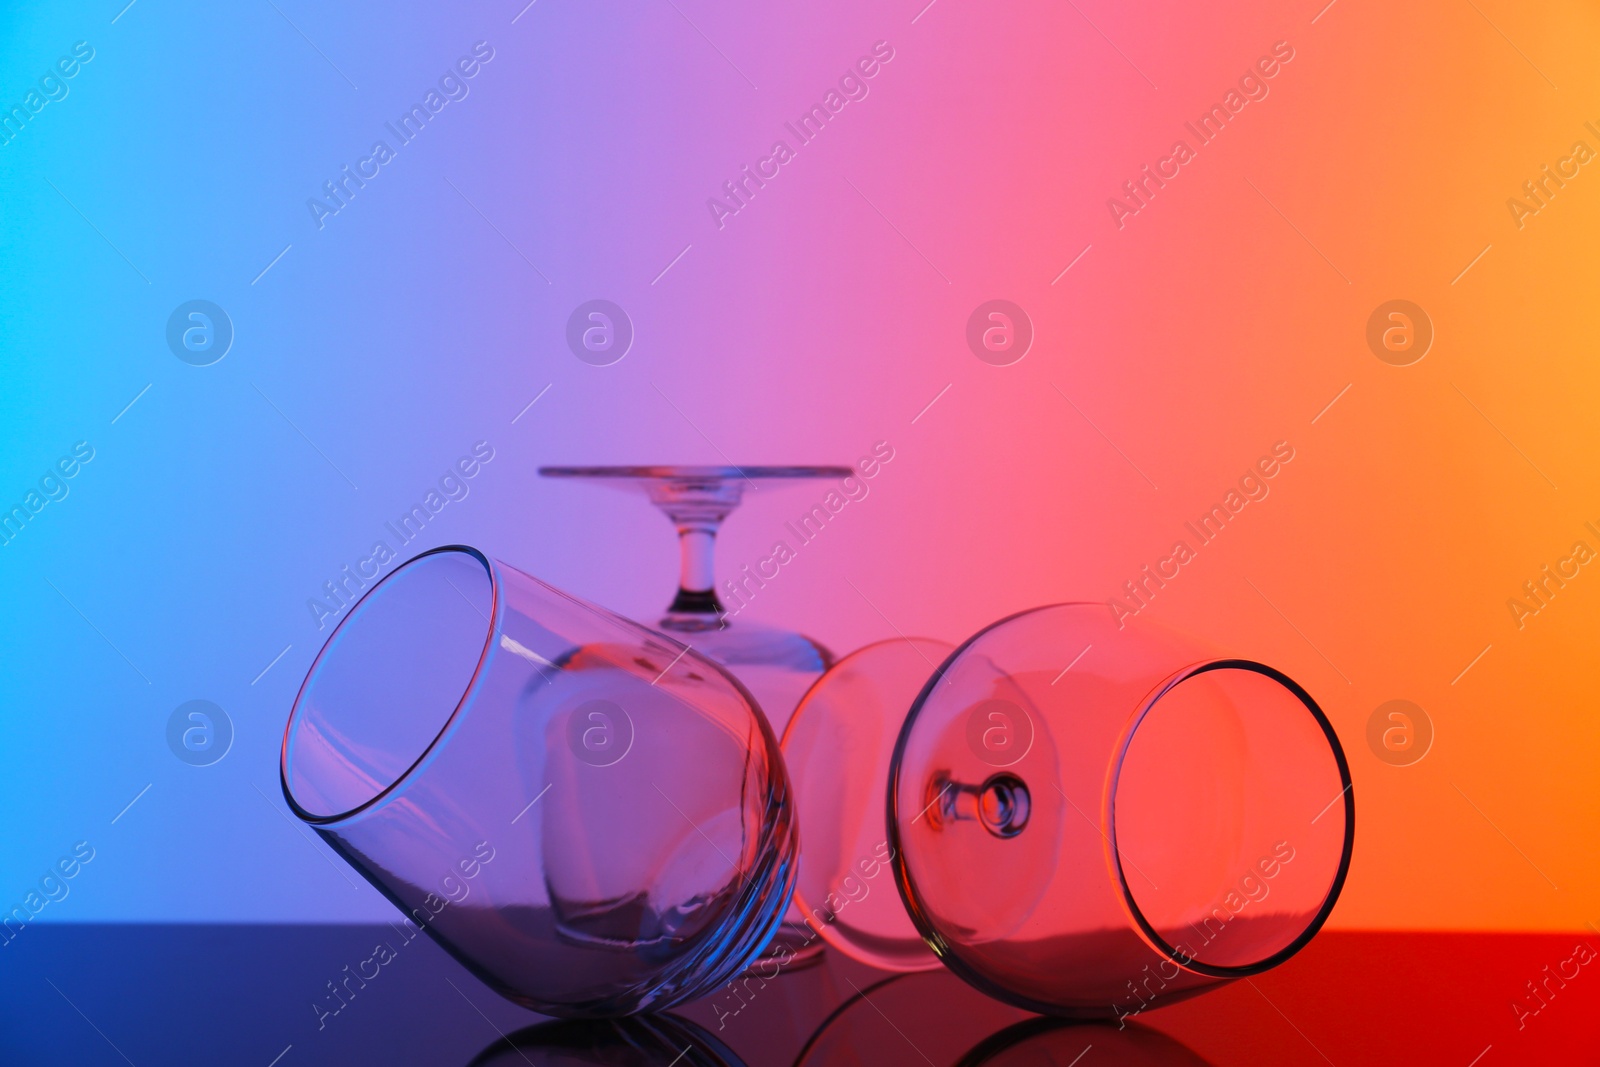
(588, 815)
(838, 748)
(1082, 820)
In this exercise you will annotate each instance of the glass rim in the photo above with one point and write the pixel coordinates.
(1347, 794)
(669, 472)
(296, 710)
(815, 686)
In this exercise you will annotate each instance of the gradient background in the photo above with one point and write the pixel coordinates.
(1223, 318)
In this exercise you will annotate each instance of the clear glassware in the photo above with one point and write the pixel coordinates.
(591, 817)
(838, 747)
(774, 664)
(1088, 821)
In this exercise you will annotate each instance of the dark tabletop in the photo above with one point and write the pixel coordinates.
(152, 995)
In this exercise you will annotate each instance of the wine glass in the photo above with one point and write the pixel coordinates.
(1082, 820)
(591, 817)
(838, 747)
(776, 665)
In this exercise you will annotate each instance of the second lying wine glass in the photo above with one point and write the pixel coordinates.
(1081, 820)
(837, 748)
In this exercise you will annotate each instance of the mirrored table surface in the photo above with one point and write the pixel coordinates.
(297, 996)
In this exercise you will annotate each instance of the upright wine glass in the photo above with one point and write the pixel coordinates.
(774, 664)
(1082, 820)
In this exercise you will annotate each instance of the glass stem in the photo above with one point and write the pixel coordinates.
(696, 606)
(1002, 804)
(699, 548)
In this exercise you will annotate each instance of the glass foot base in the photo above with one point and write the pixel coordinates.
(747, 644)
(796, 944)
